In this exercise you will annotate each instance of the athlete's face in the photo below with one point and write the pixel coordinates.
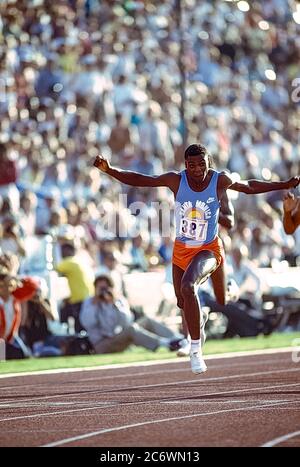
(197, 167)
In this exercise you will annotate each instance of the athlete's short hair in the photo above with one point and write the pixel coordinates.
(198, 150)
(195, 150)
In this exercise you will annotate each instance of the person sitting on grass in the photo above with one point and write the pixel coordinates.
(111, 327)
(13, 291)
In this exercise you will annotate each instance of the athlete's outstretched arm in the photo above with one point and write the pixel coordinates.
(254, 187)
(169, 179)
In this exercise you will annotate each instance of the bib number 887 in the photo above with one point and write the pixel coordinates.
(193, 228)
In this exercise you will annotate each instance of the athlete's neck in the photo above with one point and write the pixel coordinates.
(199, 183)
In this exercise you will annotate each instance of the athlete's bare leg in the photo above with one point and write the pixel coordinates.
(200, 268)
(186, 285)
(218, 279)
(177, 278)
(184, 326)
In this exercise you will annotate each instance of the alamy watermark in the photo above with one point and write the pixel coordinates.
(127, 221)
(157, 218)
(295, 96)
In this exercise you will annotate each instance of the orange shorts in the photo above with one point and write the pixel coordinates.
(183, 254)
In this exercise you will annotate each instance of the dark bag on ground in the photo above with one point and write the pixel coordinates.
(78, 345)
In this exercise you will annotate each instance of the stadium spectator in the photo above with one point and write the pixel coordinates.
(243, 271)
(67, 70)
(111, 327)
(112, 268)
(80, 279)
(119, 136)
(139, 260)
(27, 213)
(8, 177)
(13, 291)
(34, 331)
(10, 238)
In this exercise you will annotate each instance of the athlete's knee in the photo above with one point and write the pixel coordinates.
(187, 289)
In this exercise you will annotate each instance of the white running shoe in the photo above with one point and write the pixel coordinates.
(198, 365)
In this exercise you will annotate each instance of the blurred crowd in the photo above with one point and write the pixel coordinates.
(83, 77)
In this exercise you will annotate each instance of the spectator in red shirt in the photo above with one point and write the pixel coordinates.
(8, 169)
(8, 177)
(13, 291)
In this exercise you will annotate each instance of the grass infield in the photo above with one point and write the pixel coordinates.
(138, 354)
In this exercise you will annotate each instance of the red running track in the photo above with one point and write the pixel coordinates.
(240, 401)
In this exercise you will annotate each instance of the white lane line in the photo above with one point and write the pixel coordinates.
(131, 404)
(62, 412)
(153, 422)
(139, 374)
(52, 404)
(280, 439)
(196, 379)
(247, 353)
(241, 401)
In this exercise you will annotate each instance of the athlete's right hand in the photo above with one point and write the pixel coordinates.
(102, 164)
(294, 181)
(289, 202)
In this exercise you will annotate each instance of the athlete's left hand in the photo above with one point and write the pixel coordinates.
(289, 202)
(294, 181)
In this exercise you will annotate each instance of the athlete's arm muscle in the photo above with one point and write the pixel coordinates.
(253, 187)
(168, 179)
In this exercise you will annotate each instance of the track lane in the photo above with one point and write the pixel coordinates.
(227, 390)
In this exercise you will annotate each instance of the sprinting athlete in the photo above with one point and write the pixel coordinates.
(198, 251)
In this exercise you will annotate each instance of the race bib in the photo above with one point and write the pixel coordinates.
(194, 229)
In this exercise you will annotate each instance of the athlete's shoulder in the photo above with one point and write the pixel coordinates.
(169, 179)
(225, 178)
(172, 175)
